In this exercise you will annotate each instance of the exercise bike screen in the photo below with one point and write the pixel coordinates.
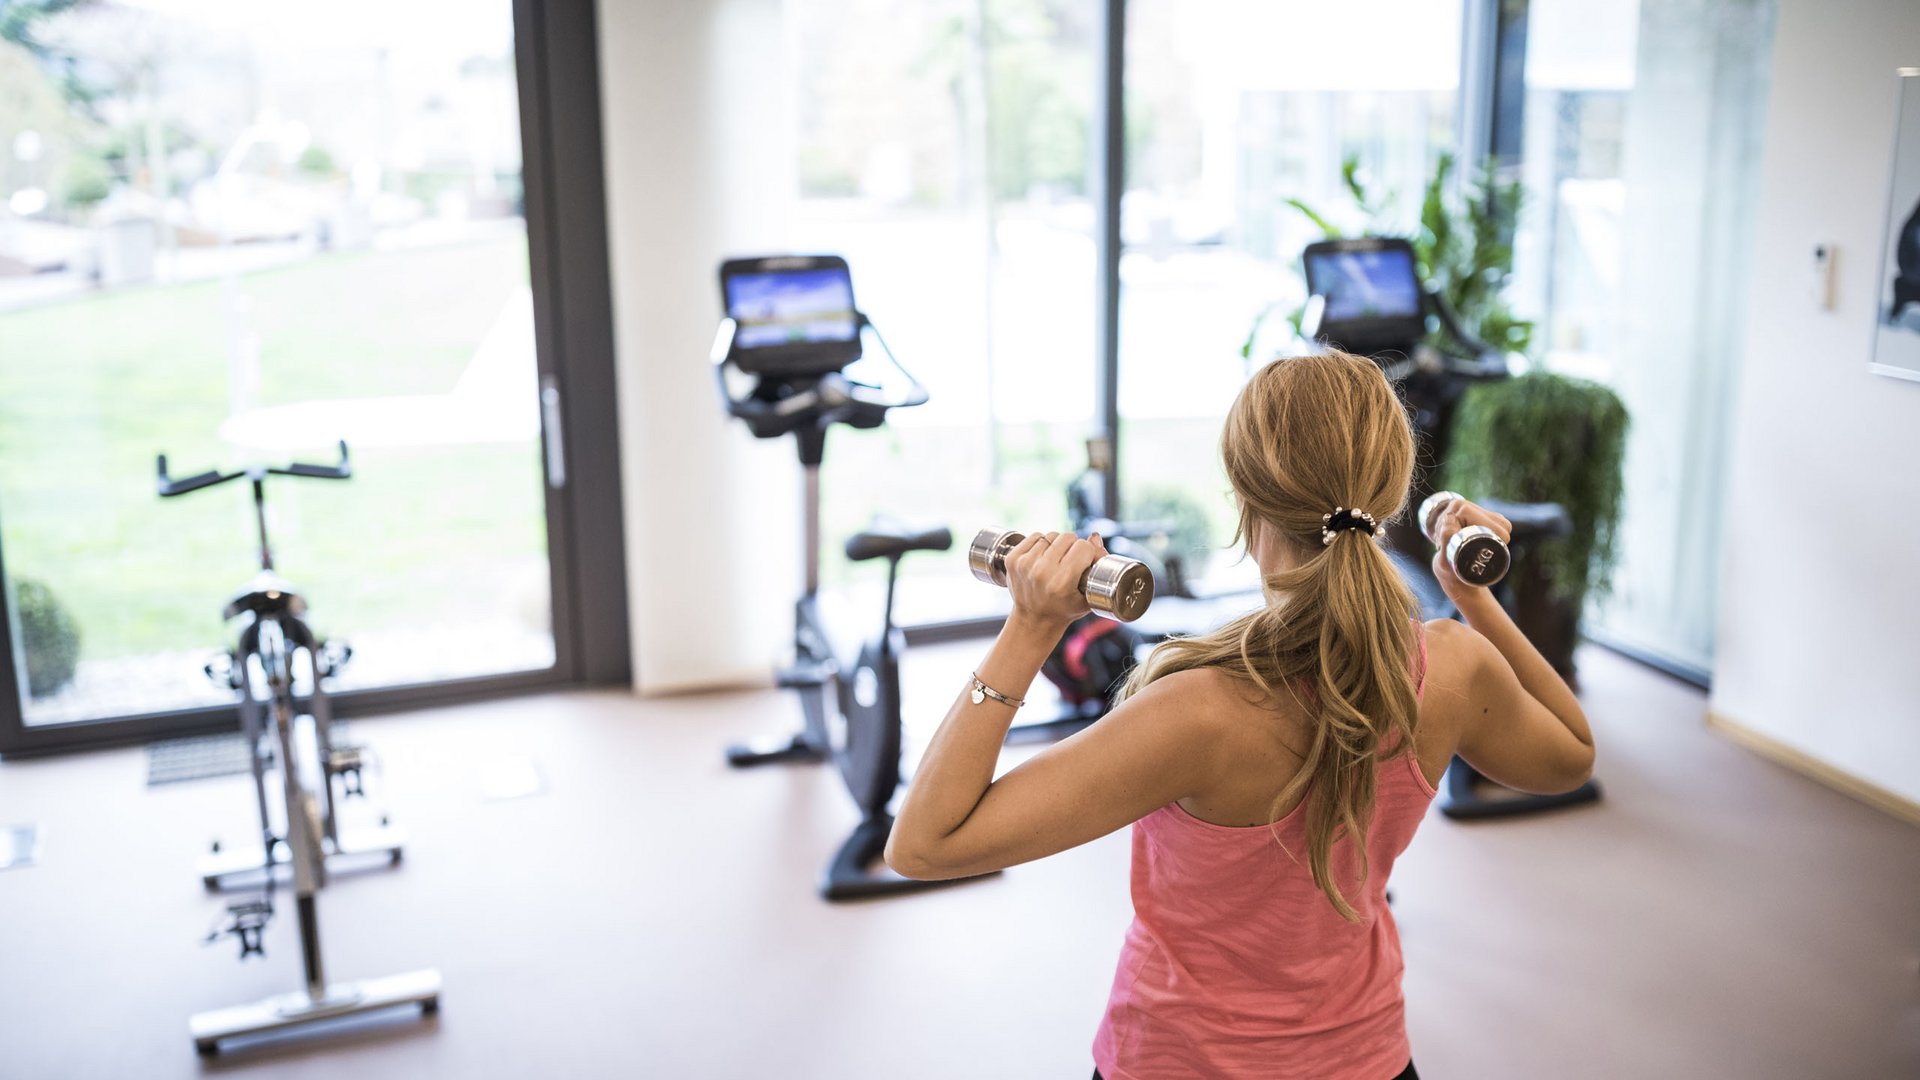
(1365, 285)
(791, 307)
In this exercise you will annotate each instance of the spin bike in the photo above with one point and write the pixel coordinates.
(271, 642)
(792, 329)
(269, 599)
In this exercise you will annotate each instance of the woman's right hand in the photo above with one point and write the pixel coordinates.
(1044, 573)
(1457, 514)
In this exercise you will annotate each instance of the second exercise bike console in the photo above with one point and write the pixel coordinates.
(780, 359)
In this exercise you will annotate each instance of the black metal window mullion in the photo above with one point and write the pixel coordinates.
(1109, 184)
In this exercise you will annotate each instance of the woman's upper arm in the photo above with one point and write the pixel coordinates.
(1505, 732)
(1152, 750)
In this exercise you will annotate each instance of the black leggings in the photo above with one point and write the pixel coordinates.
(1408, 1073)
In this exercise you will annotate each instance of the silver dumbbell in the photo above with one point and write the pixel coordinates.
(1116, 587)
(1476, 553)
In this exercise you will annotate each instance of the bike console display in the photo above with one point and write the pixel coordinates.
(791, 326)
(1368, 292)
(792, 314)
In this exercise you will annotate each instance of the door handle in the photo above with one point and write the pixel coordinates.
(550, 428)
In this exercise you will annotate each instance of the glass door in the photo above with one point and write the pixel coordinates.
(1239, 118)
(240, 234)
(942, 148)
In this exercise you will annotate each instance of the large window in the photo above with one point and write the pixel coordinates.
(1579, 75)
(1233, 109)
(943, 148)
(1642, 130)
(236, 233)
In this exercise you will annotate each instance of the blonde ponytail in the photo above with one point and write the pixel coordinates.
(1307, 435)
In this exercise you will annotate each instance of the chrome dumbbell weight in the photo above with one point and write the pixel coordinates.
(1116, 587)
(1476, 553)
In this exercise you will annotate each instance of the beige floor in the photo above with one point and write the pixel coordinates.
(652, 915)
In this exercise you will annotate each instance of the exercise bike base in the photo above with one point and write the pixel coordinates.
(774, 751)
(287, 1011)
(1461, 800)
(853, 874)
(246, 865)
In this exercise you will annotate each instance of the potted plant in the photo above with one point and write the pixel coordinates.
(49, 637)
(1547, 438)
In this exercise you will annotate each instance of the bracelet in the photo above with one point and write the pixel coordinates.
(981, 692)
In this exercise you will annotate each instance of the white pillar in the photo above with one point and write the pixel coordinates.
(699, 160)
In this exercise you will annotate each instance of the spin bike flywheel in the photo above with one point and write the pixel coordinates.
(866, 736)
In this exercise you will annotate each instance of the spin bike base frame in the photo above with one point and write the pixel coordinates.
(319, 999)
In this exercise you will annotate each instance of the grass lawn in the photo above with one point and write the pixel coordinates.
(92, 388)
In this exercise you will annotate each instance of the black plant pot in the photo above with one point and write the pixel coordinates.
(1550, 621)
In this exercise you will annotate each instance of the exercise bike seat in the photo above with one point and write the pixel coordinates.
(890, 540)
(266, 594)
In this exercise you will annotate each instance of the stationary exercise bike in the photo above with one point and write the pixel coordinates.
(267, 659)
(790, 331)
(269, 599)
(1366, 297)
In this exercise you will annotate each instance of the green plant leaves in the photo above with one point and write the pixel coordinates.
(1548, 438)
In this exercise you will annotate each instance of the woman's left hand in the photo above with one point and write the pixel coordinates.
(1044, 572)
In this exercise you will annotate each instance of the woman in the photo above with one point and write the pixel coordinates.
(1273, 769)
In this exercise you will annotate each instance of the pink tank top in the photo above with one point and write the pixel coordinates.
(1236, 964)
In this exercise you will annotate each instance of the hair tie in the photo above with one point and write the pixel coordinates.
(1342, 519)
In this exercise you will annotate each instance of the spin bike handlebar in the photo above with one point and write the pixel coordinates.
(831, 397)
(170, 487)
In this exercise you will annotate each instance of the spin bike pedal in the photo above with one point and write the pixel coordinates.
(246, 920)
(332, 656)
(223, 672)
(346, 762)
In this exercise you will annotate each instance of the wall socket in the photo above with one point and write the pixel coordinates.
(1823, 272)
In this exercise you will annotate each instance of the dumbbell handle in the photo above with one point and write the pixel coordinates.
(1476, 553)
(1116, 587)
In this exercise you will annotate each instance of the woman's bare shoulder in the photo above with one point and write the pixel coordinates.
(1456, 654)
(1207, 684)
(1206, 697)
(1454, 650)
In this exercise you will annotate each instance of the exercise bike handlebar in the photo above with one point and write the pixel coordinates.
(828, 394)
(170, 487)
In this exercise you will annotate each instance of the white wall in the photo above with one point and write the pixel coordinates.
(698, 160)
(1819, 639)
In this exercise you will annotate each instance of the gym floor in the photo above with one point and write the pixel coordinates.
(651, 914)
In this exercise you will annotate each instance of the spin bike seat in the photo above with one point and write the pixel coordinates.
(267, 594)
(890, 540)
